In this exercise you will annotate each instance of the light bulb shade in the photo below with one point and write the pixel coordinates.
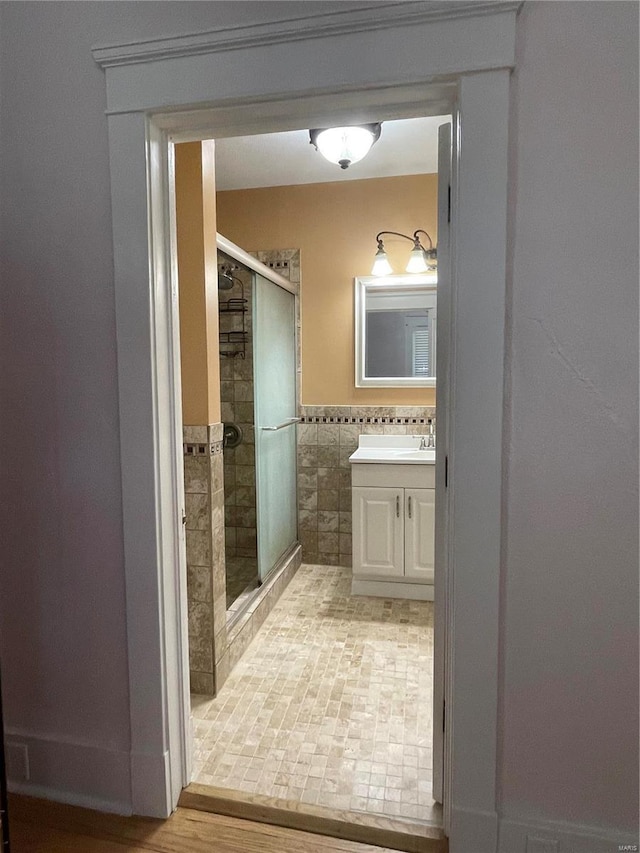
(345, 145)
(381, 265)
(417, 261)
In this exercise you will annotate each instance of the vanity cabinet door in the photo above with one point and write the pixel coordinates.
(419, 526)
(378, 528)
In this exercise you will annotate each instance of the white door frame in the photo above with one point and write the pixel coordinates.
(395, 58)
(442, 595)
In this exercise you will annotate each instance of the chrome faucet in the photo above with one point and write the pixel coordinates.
(423, 443)
(431, 441)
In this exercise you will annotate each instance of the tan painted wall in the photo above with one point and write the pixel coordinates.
(334, 225)
(198, 283)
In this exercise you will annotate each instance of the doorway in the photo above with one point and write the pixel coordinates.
(469, 58)
(353, 751)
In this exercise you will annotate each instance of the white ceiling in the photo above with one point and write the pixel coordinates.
(405, 147)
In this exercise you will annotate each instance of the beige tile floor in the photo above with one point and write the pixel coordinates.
(330, 705)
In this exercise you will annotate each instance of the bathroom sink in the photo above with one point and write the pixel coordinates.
(427, 455)
(390, 449)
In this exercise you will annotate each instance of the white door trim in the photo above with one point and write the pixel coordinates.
(478, 272)
(442, 615)
(439, 56)
(302, 28)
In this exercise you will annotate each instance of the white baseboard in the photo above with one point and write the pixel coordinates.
(392, 589)
(42, 792)
(151, 785)
(473, 831)
(68, 772)
(521, 835)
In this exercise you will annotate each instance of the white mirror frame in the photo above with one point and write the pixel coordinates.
(426, 283)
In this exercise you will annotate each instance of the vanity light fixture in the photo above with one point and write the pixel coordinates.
(345, 145)
(420, 259)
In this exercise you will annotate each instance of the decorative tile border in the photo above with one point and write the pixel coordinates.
(354, 419)
(402, 414)
(202, 449)
(286, 262)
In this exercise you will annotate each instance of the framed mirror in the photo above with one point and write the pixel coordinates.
(395, 331)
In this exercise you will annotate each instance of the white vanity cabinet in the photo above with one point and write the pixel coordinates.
(393, 504)
(393, 532)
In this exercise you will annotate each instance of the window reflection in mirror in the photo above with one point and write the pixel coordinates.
(395, 330)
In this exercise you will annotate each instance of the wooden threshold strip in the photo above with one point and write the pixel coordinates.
(411, 836)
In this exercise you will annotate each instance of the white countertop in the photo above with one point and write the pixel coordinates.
(393, 449)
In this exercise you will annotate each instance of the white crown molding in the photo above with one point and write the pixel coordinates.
(298, 29)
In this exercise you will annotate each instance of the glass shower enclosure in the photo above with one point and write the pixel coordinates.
(257, 313)
(274, 370)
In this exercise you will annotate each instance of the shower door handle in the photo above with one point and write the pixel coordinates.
(288, 422)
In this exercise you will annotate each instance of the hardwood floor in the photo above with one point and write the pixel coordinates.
(38, 826)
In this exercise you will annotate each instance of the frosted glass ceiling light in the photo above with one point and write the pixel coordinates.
(345, 145)
(420, 259)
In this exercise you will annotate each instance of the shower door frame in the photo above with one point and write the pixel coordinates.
(239, 254)
(162, 89)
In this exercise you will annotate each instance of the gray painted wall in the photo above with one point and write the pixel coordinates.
(62, 610)
(570, 582)
(570, 609)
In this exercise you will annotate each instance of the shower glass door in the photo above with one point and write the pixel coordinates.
(274, 370)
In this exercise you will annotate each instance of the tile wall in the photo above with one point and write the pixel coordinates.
(236, 394)
(327, 436)
(216, 642)
(204, 510)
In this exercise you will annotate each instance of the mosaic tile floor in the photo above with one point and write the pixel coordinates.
(330, 705)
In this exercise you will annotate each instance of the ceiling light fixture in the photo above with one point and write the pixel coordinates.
(345, 145)
(420, 259)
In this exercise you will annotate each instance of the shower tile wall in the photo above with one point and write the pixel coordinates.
(215, 646)
(205, 551)
(327, 436)
(236, 393)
